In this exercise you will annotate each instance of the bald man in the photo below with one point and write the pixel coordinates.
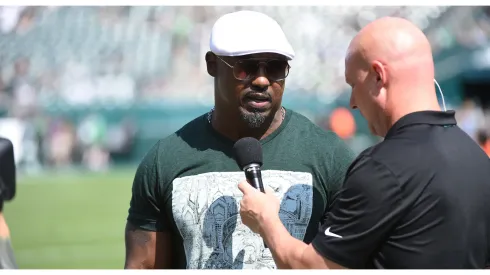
(418, 199)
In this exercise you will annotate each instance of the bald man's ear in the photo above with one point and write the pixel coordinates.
(381, 74)
(211, 64)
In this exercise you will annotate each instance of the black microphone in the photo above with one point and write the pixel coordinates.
(248, 155)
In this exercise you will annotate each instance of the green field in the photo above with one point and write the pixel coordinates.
(71, 220)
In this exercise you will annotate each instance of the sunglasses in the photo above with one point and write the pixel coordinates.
(246, 69)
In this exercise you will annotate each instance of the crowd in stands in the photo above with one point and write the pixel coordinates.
(475, 121)
(113, 56)
(82, 55)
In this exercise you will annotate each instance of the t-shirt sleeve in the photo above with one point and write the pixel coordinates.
(340, 161)
(145, 210)
(365, 210)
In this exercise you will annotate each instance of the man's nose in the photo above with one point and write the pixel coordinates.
(352, 103)
(261, 82)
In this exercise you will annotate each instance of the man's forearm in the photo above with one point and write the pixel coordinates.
(4, 229)
(287, 251)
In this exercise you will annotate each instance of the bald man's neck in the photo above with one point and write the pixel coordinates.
(418, 102)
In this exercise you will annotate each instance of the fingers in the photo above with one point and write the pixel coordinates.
(246, 188)
(269, 191)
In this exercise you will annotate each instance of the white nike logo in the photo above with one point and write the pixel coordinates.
(328, 233)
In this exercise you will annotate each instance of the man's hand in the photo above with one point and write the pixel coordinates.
(258, 210)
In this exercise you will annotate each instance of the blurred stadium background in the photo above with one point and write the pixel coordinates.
(85, 91)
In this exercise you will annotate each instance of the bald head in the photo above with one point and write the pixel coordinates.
(391, 60)
(396, 43)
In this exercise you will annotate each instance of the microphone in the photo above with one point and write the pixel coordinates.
(248, 155)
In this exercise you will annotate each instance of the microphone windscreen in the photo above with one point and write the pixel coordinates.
(247, 150)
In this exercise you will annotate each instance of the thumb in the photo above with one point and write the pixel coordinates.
(245, 187)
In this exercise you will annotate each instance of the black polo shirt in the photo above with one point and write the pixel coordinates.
(420, 199)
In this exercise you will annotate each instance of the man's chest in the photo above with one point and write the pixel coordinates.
(205, 209)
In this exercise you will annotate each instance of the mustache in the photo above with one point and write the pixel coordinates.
(263, 95)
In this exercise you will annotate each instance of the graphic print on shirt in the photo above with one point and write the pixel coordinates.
(205, 209)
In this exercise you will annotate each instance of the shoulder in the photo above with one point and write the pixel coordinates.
(305, 127)
(371, 176)
(180, 139)
(163, 160)
(384, 151)
(374, 165)
(366, 157)
(319, 139)
(398, 156)
(302, 122)
(327, 152)
(194, 126)
(166, 149)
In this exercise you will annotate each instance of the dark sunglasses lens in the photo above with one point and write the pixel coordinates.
(244, 69)
(277, 69)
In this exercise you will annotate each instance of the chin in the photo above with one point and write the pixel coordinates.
(254, 118)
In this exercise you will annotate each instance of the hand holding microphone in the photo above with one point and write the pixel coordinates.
(258, 210)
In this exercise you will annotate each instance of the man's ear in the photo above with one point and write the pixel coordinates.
(211, 64)
(381, 74)
(381, 78)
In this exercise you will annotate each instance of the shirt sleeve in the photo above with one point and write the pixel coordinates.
(364, 211)
(7, 259)
(145, 210)
(341, 160)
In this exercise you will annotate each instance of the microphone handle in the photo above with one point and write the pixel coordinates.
(254, 177)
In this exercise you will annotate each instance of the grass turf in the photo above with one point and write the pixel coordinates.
(71, 220)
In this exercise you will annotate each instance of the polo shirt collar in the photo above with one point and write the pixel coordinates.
(424, 117)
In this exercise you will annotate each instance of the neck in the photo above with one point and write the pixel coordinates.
(412, 105)
(232, 126)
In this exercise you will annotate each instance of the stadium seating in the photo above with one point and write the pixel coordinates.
(160, 44)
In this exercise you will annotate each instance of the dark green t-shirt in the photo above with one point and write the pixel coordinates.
(187, 184)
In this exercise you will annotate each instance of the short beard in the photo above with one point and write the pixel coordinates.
(254, 119)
